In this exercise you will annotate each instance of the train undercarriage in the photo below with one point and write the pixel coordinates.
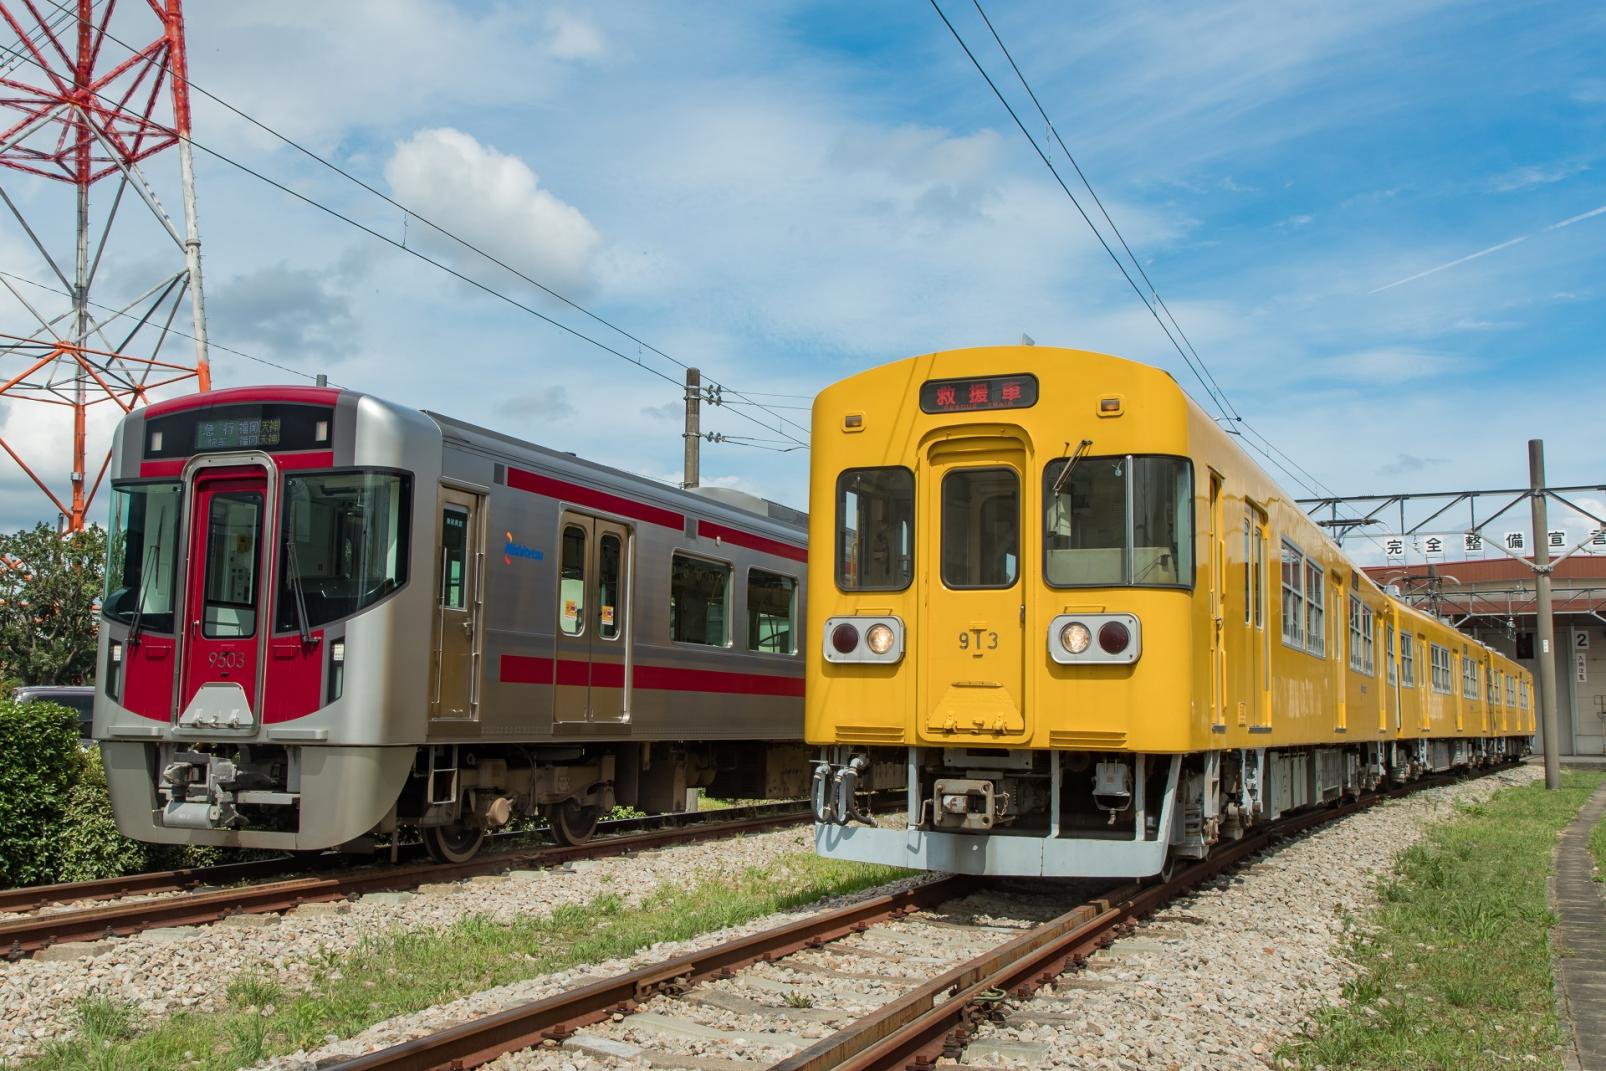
(1000, 811)
(287, 797)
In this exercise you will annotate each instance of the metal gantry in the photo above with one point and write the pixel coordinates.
(1539, 496)
(78, 104)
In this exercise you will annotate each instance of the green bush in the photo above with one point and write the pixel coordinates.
(87, 843)
(40, 763)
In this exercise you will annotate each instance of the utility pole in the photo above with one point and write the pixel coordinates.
(694, 427)
(1545, 623)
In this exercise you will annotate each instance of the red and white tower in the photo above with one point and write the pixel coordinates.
(84, 97)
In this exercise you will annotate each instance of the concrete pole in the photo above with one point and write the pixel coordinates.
(1545, 623)
(694, 427)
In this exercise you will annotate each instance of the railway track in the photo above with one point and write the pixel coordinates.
(928, 1020)
(22, 936)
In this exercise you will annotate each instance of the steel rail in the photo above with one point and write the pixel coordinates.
(33, 897)
(482, 1040)
(19, 937)
(937, 1019)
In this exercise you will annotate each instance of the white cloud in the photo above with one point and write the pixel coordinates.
(574, 38)
(494, 201)
(1522, 178)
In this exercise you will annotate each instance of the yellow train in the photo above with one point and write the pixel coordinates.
(1090, 635)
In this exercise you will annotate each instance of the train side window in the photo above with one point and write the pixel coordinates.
(1407, 660)
(1469, 676)
(1293, 595)
(1388, 653)
(771, 612)
(699, 601)
(610, 588)
(1315, 609)
(1260, 578)
(1361, 642)
(875, 526)
(980, 528)
(572, 581)
(1440, 657)
(454, 553)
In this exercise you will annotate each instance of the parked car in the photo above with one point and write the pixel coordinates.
(76, 697)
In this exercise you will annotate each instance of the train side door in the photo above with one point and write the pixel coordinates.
(975, 602)
(224, 605)
(1218, 613)
(459, 602)
(591, 664)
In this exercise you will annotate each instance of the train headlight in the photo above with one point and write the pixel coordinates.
(879, 638)
(1075, 637)
(1114, 637)
(845, 638)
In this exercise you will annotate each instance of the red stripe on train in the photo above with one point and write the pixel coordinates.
(302, 459)
(751, 541)
(536, 484)
(524, 669)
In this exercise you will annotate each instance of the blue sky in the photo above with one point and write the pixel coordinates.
(787, 193)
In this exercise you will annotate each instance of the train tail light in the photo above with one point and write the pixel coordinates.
(1070, 639)
(872, 640)
(114, 668)
(337, 670)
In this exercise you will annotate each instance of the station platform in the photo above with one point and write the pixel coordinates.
(1579, 940)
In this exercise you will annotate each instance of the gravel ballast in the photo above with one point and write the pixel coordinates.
(160, 972)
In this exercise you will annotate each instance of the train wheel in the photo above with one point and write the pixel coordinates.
(573, 823)
(452, 844)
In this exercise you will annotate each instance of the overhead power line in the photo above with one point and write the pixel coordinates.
(465, 244)
(1190, 355)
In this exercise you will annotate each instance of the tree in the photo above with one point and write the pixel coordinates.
(50, 587)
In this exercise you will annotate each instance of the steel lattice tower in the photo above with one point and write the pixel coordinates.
(78, 105)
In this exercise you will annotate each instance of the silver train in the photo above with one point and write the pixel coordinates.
(329, 618)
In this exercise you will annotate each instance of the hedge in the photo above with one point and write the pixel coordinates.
(56, 819)
(40, 763)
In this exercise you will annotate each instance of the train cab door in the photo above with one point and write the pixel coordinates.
(459, 606)
(591, 666)
(224, 599)
(1218, 611)
(975, 602)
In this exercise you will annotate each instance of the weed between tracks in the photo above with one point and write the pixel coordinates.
(1455, 962)
(398, 973)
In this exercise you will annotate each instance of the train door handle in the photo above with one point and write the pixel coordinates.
(468, 629)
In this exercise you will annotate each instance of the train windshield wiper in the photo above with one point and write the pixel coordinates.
(145, 575)
(1065, 473)
(292, 573)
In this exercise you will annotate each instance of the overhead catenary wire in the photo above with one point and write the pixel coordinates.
(123, 314)
(1196, 363)
(409, 213)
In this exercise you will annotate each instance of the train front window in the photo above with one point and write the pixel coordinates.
(142, 550)
(343, 544)
(234, 526)
(980, 528)
(875, 524)
(1114, 521)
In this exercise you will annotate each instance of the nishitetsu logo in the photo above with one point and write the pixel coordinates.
(512, 549)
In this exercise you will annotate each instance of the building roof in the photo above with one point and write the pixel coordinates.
(1500, 586)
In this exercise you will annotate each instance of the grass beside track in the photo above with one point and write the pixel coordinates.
(1455, 964)
(1597, 846)
(397, 973)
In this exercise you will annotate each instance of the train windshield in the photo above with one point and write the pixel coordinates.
(1119, 521)
(343, 546)
(142, 551)
(875, 523)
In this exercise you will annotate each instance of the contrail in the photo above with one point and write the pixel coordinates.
(1492, 249)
